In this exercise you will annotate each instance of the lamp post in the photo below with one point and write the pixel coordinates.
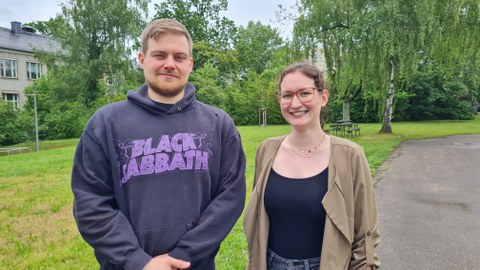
(36, 120)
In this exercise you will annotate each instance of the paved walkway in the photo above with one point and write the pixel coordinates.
(428, 195)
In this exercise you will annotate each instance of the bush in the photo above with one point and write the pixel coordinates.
(65, 120)
(432, 96)
(14, 125)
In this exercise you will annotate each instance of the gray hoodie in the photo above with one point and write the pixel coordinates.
(147, 181)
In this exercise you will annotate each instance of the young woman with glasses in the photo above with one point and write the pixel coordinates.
(312, 205)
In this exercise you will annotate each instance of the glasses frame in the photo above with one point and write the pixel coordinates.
(278, 95)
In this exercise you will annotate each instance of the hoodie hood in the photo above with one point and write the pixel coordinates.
(141, 98)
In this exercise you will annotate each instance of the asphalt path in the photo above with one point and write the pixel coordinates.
(428, 196)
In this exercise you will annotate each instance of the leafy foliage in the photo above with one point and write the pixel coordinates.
(212, 34)
(96, 39)
(380, 45)
(433, 97)
(202, 19)
(59, 116)
(205, 80)
(15, 126)
(256, 46)
(387, 60)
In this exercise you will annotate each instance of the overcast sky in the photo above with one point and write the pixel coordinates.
(241, 11)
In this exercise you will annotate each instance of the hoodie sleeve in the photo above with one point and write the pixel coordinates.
(99, 221)
(220, 216)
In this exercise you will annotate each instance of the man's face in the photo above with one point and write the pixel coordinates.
(166, 66)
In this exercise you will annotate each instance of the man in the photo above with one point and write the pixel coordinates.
(159, 179)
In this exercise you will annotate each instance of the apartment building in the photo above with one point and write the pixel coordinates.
(18, 65)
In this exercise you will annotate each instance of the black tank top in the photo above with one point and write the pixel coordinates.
(296, 214)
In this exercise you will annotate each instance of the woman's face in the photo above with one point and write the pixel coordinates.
(303, 109)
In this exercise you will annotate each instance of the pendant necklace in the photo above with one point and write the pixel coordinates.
(305, 152)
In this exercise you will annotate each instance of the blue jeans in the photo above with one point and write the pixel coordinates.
(275, 262)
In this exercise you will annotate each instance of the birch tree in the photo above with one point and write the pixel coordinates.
(443, 34)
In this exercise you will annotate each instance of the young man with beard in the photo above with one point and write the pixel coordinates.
(159, 179)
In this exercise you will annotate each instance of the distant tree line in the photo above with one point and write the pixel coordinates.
(385, 61)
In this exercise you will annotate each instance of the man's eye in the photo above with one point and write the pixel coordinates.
(159, 56)
(287, 95)
(180, 58)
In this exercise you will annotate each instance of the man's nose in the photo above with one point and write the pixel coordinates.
(169, 62)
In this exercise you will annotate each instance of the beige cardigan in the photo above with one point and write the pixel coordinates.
(351, 231)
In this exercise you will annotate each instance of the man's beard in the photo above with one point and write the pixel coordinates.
(166, 91)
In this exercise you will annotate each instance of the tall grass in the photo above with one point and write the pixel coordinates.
(37, 230)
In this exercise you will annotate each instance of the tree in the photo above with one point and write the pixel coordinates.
(46, 27)
(96, 38)
(433, 95)
(59, 116)
(225, 61)
(230, 64)
(399, 33)
(256, 46)
(438, 34)
(205, 80)
(212, 34)
(339, 30)
(379, 45)
(202, 19)
(457, 51)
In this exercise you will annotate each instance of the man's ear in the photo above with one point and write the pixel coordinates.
(141, 59)
(191, 63)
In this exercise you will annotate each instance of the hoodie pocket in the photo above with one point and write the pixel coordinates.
(162, 239)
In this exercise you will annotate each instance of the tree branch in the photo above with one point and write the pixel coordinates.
(359, 89)
(340, 25)
(347, 89)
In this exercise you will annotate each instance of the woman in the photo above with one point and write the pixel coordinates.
(312, 205)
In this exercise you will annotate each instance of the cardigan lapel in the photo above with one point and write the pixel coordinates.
(263, 221)
(334, 201)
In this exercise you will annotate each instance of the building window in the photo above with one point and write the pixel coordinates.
(34, 70)
(8, 68)
(13, 98)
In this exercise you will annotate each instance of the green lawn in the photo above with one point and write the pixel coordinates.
(37, 230)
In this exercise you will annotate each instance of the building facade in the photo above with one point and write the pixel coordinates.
(18, 66)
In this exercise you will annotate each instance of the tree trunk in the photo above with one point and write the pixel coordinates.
(346, 108)
(387, 114)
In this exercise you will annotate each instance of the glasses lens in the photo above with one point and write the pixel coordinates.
(305, 95)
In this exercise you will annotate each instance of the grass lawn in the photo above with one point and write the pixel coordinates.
(37, 230)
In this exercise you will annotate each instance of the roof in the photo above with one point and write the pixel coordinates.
(27, 42)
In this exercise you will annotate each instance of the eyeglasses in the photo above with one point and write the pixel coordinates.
(304, 95)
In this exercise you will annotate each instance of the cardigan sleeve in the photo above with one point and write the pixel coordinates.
(366, 235)
(258, 166)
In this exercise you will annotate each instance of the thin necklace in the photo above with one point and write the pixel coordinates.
(305, 152)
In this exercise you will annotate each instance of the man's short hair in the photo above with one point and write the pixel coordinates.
(162, 27)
